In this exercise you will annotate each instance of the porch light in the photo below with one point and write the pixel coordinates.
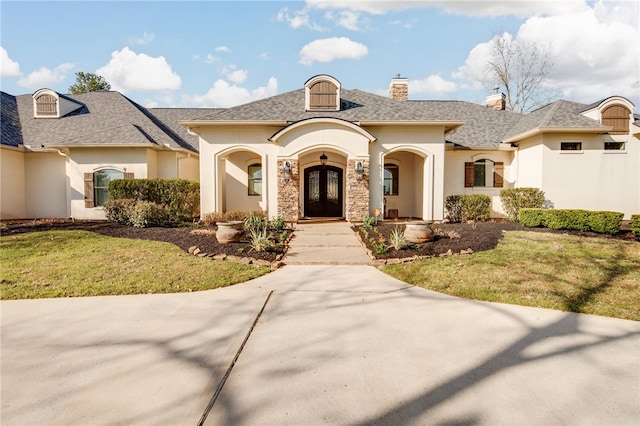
(359, 170)
(323, 159)
(286, 171)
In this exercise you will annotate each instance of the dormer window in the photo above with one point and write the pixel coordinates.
(322, 93)
(46, 105)
(616, 116)
(49, 104)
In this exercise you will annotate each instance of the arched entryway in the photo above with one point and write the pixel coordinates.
(323, 191)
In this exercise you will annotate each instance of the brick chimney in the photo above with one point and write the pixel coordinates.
(399, 88)
(497, 101)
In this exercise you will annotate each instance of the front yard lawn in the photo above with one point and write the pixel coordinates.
(577, 274)
(79, 263)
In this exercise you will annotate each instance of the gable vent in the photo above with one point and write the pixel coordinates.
(322, 93)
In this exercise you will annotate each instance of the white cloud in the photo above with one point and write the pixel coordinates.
(224, 95)
(128, 70)
(238, 76)
(8, 67)
(145, 39)
(471, 7)
(595, 52)
(46, 76)
(223, 49)
(347, 19)
(210, 59)
(433, 84)
(329, 49)
(265, 56)
(298, 19)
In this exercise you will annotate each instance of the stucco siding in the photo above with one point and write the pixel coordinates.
(88, 160)
(236, 187)
(454, 175)
(591, 179)
(12, 184)
(46, 185)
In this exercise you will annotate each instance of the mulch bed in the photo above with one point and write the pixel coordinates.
(477, 237)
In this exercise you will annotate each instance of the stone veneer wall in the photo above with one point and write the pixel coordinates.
(289, 192)
(357, 193)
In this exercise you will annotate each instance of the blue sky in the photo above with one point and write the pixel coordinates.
(223, 53)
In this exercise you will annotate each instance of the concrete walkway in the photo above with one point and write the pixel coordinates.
(332, 243)
(311, 345)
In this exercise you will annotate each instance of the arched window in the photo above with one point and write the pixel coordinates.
(46, 105)
(254, 183)
(484, 173)
(616, 116)
(391, 174)
(101, 179)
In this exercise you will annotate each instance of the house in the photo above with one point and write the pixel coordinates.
(58, 152)
(319, 151)
(327, 151)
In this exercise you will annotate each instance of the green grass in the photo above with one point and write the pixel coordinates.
(80, 263)
(577, 274)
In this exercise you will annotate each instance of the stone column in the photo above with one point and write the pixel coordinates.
(289, 192)
(357, 192)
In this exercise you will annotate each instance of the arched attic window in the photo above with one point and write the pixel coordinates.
(616, 116)
(322, 94)
(46, 105)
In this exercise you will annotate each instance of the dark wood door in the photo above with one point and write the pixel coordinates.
(323, 191)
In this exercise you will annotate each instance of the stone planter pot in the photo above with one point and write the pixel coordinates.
(418, 232)
(230, 232)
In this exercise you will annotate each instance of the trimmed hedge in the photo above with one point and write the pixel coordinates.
(514, 199)
(461, 208)
(119, 211)
(475, 207)
(603, 222)
(147, 213)
(635, 224)
(181, 197)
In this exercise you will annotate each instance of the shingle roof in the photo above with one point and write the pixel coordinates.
(106, 119)
(559, 114)
(171, 118)
(10, 122)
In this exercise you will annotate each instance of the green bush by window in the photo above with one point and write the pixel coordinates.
(147, 213)
(181, 197)
(119, 210)
(514, 199)
(475, 207)
(635, 224)
(453, 207)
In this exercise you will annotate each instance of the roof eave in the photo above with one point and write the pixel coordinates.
(542, 130)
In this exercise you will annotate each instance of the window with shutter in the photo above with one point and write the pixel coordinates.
(88, 190)
(96, 190)
(483, 174)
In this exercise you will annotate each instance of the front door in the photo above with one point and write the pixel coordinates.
(323, 191)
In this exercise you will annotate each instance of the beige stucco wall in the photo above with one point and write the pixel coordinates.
(88, 160)
(591, 179)
(12, 184)
(454, 175)
(236, 183)
(46, 185)
(426, 167)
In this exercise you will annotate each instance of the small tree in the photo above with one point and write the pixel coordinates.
(89, 82)
(522, 69)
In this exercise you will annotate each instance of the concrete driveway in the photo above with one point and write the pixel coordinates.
(333, 345)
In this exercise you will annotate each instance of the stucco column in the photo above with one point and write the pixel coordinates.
(357, 192)
(289, 191)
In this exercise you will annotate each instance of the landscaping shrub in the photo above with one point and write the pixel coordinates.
(181, 197)
(531, 217)
(146, 213)
(278, 224)
(514, 199)
(476, 207)
(119, 210)
(635, 224)
(605, 222)
(255, 221)
(453, 208)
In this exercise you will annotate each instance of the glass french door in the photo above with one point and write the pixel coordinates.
(323, 191)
